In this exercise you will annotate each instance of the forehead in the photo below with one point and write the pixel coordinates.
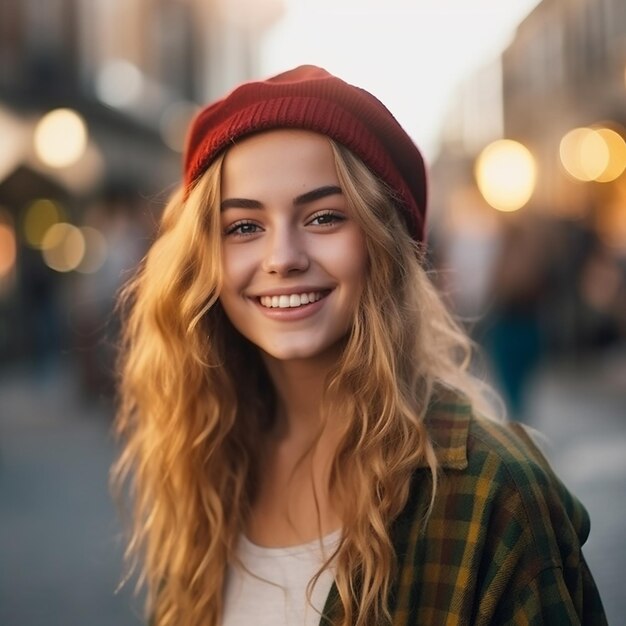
(293, 157)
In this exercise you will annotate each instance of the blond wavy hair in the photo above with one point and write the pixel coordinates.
(190, 420)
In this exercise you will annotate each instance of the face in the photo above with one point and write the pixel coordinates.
(294, 259)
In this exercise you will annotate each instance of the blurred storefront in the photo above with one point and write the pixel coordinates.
(95, 96)
(564, 87)
(537, 233)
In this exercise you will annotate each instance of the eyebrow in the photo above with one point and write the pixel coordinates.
(317, 194)
(305, 198)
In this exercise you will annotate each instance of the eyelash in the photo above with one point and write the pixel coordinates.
(336, 217)
(235, 229)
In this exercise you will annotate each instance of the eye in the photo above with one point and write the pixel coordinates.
(242, 228)
(326, 218)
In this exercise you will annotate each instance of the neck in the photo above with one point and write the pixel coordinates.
(300, 385)
(293, 492)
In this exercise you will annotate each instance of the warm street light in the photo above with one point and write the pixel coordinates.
(13, 142)
(39, 216)
(8, 249)
(505, 173)
(617, 155)
(596, 153)
(96, 250)
(60, 138)
(63, 247)
(119, 83)
(584, 153)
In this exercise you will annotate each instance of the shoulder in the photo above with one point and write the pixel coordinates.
(475, 446)
(494, 477)
(501, 523)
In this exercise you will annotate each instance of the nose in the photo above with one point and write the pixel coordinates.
(286, 253)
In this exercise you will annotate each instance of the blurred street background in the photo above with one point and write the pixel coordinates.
(520, 109)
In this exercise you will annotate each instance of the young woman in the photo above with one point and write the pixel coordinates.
(302, 436)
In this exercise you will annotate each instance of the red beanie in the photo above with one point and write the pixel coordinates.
(310, 98)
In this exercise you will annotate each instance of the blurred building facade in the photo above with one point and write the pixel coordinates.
(131, 75)
(566, 68)
(553, 273)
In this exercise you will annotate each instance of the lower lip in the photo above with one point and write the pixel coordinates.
(292, 314)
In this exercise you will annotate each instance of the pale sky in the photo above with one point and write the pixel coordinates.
(411, 54)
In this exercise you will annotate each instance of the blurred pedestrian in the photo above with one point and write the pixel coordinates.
(512, 330)
(301, 432)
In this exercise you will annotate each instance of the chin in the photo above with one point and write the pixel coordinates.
(293, 353)
(300, 352)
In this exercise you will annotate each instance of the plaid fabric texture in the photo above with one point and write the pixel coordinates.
(503, 543)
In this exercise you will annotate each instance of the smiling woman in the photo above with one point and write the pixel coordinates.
(294, 257)
(304, 441)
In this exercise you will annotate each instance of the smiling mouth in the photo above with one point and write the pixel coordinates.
(292, 301)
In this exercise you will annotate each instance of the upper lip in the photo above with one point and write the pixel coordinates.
(287, 291)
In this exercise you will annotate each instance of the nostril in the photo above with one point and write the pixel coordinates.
(287, 264)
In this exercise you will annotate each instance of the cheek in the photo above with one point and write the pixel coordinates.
(354, 259)
(347, 254)
(236, 269)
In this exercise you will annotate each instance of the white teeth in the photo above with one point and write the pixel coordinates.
(290, 301)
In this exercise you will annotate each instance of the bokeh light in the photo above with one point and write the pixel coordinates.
(8, 249)
(617, 155)
(39, 216)
(584, 154)
(60, 138)
(63, 247)
(119, 83)
(96, 250)
(506, 173)
(13, 143)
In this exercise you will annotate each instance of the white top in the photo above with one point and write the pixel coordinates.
(276, 596)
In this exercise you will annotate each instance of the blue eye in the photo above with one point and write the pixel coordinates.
(326, 218)
(242, 228)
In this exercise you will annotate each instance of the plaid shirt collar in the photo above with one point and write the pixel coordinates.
(448, 425)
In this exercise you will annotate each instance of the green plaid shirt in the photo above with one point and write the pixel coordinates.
(503, 543)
